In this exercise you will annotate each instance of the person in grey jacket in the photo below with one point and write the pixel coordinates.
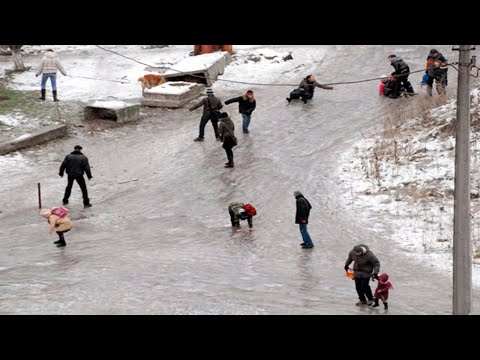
(211, 106)
(306, 89)
(48, 68)
(76, 164)
(366, 266)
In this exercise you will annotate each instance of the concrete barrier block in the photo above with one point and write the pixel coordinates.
(112, 110)
(31, 139)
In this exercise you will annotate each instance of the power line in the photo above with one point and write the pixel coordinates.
(244, 82)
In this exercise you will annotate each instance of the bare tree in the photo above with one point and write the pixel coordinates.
(17, 57)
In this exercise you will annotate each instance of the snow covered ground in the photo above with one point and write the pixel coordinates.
(96, 74)
(404, 174)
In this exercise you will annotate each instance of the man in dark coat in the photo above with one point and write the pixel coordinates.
(301, 218)
(211, 106)
(227, 136)
(246, 105)
(306, 89)
(437, 70)
(401, 73)
(366, 266)
(76, 164)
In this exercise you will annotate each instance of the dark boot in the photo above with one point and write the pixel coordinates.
(230, 162)
(376, 303)
(43, 95)
(55, 95)
(385, 305)
(61, 240)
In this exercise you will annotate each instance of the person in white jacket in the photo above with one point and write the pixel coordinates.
(48, 68)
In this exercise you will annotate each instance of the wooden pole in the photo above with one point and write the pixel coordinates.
(39, 197)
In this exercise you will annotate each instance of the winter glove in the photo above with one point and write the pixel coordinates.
(374, 277)
(346, 268)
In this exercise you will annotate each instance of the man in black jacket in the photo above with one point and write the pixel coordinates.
(301, 218)
(366, 266)
(76, 164)
(246, 105)
(401, 73)
(211, 107)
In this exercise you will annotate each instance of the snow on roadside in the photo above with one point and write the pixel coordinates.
(266, 65)
(94, 74)
(403, 176)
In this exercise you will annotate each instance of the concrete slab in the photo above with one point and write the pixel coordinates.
(173, 94)
(208, 66)
(118, 111)
(31, 139)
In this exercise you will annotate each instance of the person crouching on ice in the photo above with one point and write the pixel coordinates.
(59, 224)
(239, 211)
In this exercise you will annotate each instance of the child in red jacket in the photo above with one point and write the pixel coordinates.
(383, 287)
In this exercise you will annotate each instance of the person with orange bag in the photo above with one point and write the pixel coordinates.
(366, 266)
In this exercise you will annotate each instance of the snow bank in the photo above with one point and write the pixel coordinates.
(407, 182)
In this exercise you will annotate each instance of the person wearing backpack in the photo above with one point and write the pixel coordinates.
(211, 106)
(59, 222)
(227, 136)
(240, 211)
(76, 164)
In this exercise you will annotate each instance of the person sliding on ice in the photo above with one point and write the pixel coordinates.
(306, 89)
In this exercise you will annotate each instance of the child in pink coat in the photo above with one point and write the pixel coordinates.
(383, 287)
(59, 224)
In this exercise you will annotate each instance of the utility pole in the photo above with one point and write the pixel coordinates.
(462, 253)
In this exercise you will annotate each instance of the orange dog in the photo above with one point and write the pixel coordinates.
(151, 80)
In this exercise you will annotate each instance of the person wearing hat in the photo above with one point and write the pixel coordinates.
(246, 105)
(60, 225)
(237, 212)
(301, 218)
(366, 266)
(48, 68)
(227, 136)
(437, 71)
(211, 106)
(76, 164)
(401, 73)
(306, 89)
